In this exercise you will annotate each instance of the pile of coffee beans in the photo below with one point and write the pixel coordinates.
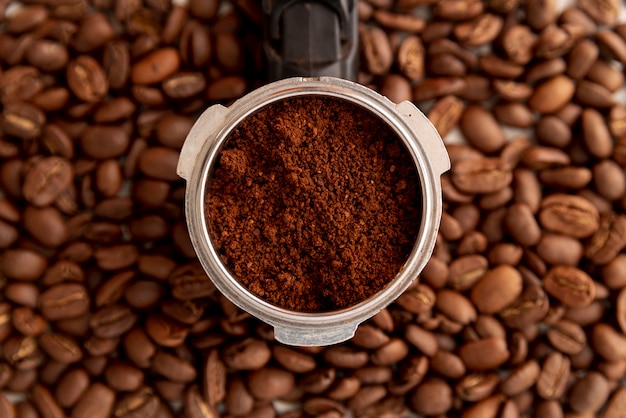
(105, 311)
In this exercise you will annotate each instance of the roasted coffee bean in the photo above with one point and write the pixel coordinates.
(165, 332)
(606, 173)
(24, 320)
(410, 57)
(447, 364)
(432, 88)
(552, 94)
(214, 384)
(607, 241)
(570, 215)
(392, 352)
(318, 380)
(397, 21)
(112, 321)
(293, 360)
(116, 63)
(376, 50)
(570, 285)
(123, 376)
(270, 383)
(567, 337)
(417, 299)
(500, 67)
(466, 271)
(497, 289)
(22, 120)
(47, 180)
(553, 377)
(596, 133)
(604, 74)
(544, 158)
(445, 114)
(87, 79)
(195, 406)
(522, 225)
(476, 386)
(616, 404)
(116, 257)
(229, 53)
(46, 225)
(184, 85)
(204, 9)
(71, 387)
(22, 352)
(156, 67)
(397, 88)
(604, 11)
(552, 130)
(64, 301)
(484, 354)
(138, 347)
(486, 175)
(102, 141)
(455, 306)
(195, 44)
(97, 401)
(22, 264)
(141, 403)
(432, 397)
(249, 354)
(344, 388)
(22, 293)
(481, 129)
(368, 336)
(476, 88)
(345, 357)
(45, 402)
(593, 94)
(238, 399)
(518, 42)
(521, 378)
(47, 55)
(424, 340)
(589, 393)
(608, 342)
(159, 163)
(60, 348)
(172, 367)
(94, 31)
(560, 249)
(479, 31)
(485, 326)
(366, 396)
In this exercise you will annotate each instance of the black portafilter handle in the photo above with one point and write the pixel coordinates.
(311, 38)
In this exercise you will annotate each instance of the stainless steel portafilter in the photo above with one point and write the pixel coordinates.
(310, 48)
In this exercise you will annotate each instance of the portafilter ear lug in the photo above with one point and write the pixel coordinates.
(427, 134)
(314, 338)
(205, 128)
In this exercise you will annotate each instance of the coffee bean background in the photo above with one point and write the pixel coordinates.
(105, 311)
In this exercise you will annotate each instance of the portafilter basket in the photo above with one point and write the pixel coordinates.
(310, 47)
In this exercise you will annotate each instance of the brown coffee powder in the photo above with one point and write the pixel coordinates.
(315, 204)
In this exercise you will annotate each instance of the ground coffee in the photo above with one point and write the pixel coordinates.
(315, 204)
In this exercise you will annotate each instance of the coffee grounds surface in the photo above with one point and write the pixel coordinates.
(314, 204)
